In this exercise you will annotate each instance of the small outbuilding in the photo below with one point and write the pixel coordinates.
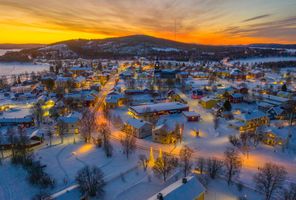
(191, 116)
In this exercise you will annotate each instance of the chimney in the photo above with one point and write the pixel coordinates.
(184, 180)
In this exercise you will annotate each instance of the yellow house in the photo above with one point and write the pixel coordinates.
(252, 120)
(208, 102)
(278, 136)
(188, 188)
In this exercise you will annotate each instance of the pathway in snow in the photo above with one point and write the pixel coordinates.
(60, 164)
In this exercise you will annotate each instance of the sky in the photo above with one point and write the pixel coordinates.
(213, 22)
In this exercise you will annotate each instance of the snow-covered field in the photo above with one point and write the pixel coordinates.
(3, 51)
(18, 68)
(263, 60)
(214, 142)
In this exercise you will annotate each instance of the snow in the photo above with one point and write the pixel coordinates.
(165, 49)
(4, 51)
(18, 68)
(59, 47)
(263, 60)
(158, 107)
(179, 190)
(136, 123)
(256, 114)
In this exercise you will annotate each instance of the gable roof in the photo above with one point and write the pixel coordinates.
(136, 123)
(179, 190)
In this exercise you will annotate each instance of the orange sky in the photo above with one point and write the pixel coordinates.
(196, 21)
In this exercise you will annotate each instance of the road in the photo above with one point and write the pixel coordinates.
(100, 102)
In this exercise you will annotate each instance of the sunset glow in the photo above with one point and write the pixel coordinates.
(195, 21)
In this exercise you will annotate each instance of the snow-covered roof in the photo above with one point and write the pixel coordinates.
(62, 79)
(136, 123)
(158, 107)
(80, 79)
(190, 114)
(16, 120)
(208, 98)
(78, 68)
(283, 132)
(251, 115)
(179, 190)
(237, 95)
(71, 118)
(277, 109)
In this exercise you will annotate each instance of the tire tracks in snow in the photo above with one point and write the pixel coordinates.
(59, 162)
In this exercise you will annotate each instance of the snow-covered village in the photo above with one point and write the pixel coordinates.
(147, 100)
(148, 130)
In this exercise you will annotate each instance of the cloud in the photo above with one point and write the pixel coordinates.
(284, 29)
(194, 18)
(256, 18)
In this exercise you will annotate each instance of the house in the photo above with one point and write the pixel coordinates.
(188, 188)
(168, 74)
(208, 102)
(71, 122)
(157, 109)
(263, 106)
(164, 132)
(62, 82)
(236, 98)
(26, 121)
(114, 99)
(182, 75)
(284, 94)
(197, 94)
(271, 99)
(78, 70)
(79, 81)
(191, 116)
(202, 75)
(279, 136)
(138, 128)
(255, 74)
(237, 74)
(251, 120)
(275, 112)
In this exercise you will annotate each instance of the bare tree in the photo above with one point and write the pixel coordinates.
(290, 193)
(143, 161)
(91, 181)
(245, 146)
(164, 166)
(270, 179)
(216, 122)
(105, 133)
(290, 108)
(20, 147)
(61, 128)
(179, 129)
(50, 135)
(201, 164)
(233, 164)
(37, 113)
(118, 122)
(128, 143)
(214, 167)
(88, 124)
(234, 140)
(185, 159)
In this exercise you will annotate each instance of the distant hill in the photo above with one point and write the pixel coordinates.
(131, 46)
(20, 46)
